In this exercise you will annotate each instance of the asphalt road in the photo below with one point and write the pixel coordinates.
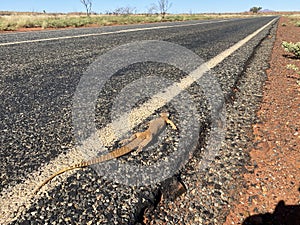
(40, 72)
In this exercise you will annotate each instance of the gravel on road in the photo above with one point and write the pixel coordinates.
(38, 81)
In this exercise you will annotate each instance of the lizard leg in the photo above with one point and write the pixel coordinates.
(143, 144)
(168, 121)
(126, 141)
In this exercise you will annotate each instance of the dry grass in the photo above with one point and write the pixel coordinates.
(14, 21)
(295, 19)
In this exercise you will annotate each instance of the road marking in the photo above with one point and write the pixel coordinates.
(18, 198)
(107, 33)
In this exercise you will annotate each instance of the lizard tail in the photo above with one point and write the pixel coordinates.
(56, 174)
(111, 155)
(114, 154)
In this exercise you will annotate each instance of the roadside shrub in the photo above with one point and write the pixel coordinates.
(292, 67)
(27, 23)
(8, 25)
(298, 24)
(292, 48)
(56, 23)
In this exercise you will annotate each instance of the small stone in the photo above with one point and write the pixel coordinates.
(264, 189)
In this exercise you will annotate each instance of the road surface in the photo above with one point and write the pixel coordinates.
(40, 72)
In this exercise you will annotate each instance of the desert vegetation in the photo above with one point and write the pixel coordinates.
(157, 12)
(255, 9)
(295, 19)
(291, 47)
(15, 21)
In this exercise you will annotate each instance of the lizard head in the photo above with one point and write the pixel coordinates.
(164, 114)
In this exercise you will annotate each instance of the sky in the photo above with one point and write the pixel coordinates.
(178, 6)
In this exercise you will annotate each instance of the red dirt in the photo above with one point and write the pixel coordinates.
(276, 156)
(24, 29)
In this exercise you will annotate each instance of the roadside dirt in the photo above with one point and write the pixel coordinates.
(33, 29)
(272, 195)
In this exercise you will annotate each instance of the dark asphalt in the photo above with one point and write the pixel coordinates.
(37, 83)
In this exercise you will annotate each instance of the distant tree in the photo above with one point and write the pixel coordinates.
(88, 6)
(124, 10)
(152, 9)
(163, 6)
(255, 9)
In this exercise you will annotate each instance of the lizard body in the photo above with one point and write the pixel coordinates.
(137, 141)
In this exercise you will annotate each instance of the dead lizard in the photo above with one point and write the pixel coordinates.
(137, 141)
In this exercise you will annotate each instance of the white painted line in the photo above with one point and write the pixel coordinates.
(107, 33)
(16, 199)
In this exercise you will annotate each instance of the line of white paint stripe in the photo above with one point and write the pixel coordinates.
(108, 33)
(13, 198)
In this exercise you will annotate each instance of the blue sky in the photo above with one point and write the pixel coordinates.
(178, 6)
